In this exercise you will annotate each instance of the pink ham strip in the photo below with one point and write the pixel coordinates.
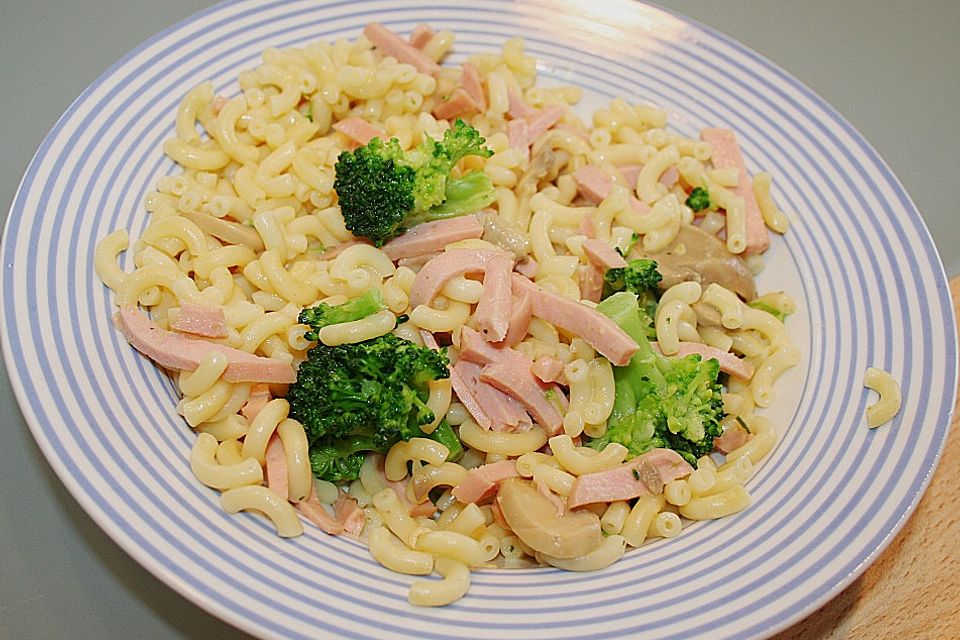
(519, 322)
(518, 133)
(591, 283)
(517, 108)
(492, 315)
(505, 413)
(601, 254)
(390, 44)
(669, 177)
(175, 351)
(201, 320)
(587, 227)
(547, 368)
(444, 267)
(421, 35)
(416, 510)
(349, 514)
(358, 130)
(729, 363)
(595, 186)
(483, 481)
(510, 372)
(470, 81)
(430, 237)
(316, 513)
(733, 438)
(622, 483)
(461, 386)
(460, 103)
(465, 393)
(276, 464)
(599, 331)
(541, 122)
(527, 267)
(725, 154)
(256, 401)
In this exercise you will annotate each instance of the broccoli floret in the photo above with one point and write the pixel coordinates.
(383, 190)
(699, 199)
(661, 402)
(362, 397)
(641, 278)
(323, 315)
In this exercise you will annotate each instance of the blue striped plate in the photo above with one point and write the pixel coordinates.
(830, 497)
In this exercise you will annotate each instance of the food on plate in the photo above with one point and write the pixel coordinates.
(438, 308)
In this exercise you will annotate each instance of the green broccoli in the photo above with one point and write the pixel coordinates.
(699, 199)
(641, 278)
(383, 190)
(322, 315)
(362, 397)
(660, 402)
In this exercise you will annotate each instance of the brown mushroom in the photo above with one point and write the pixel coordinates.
(701, 257)
(534, 519)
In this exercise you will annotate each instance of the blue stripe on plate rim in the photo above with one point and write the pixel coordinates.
(827, 132)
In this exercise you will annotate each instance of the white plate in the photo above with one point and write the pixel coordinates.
(830, 497)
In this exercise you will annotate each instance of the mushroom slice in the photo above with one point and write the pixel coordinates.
(535, 520)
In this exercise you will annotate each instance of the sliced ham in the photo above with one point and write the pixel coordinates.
(725, 154)
(423, 509)
(595, 186)
(276, 465)
(519, 321)
(431, 237)
(492, 315)
(349, 514)
(256, 401)
(599, 331)
(587, 226)
(358, 130)
(176, 351)
(515, 378)
(460, 103)
(446, 266)
(316, 513)
(390, 44)
(645, 474)
(591, 283)
(510, 372)
(421, 35)
(482, 482)
(729, 363)
(470, 81)
(543, 120)
(201, 320)
(416, 262)
(504, 412)
(668, 178)
(603, 255)
(733, 438)
(517, 107)
(518, 133)
(527, 267)
(462, 382)
(547, 368)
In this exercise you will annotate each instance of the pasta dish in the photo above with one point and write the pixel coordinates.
(436, 308)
